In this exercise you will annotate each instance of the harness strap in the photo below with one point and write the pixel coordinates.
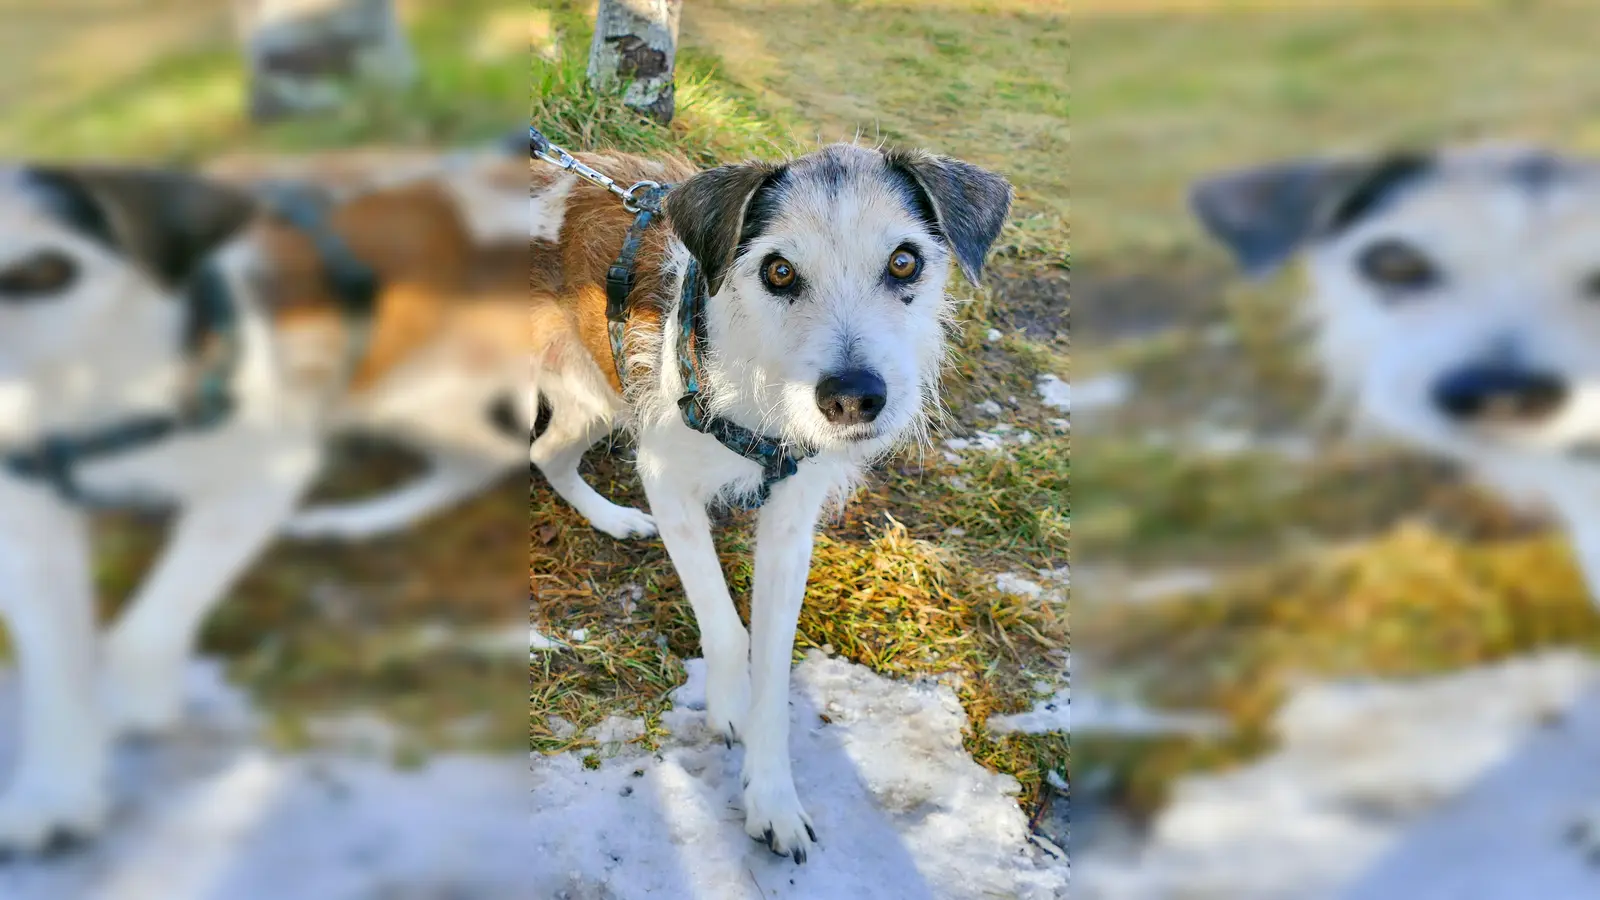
(211, 333)
(778, 460)
(354, 282)
(211, 340)
(620, 278)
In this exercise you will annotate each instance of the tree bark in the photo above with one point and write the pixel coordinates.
(637, 41)
(305, 55)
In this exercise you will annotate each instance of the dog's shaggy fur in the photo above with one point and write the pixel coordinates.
(95, 262)
(825, 325)
(1456, 305)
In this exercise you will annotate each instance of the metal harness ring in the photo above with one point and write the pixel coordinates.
(628, 202)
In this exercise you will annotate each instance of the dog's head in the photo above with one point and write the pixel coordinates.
(79, 244)
(1457, 293)
(828, 277)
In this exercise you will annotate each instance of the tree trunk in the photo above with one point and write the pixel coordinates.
(305, 55)
(637, 41)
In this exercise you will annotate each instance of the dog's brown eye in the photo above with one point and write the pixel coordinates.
(42, 274)
(904, 264)
(1398, 266)
(778, 273)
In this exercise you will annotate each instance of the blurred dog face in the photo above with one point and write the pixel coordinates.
(1457, 295)
(829, 274)
(78, 244)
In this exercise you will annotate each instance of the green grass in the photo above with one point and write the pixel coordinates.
(189, 102)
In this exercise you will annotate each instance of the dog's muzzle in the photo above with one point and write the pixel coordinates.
(1499, 395)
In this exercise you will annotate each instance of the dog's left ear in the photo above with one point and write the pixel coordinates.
(708, 212)
(1265, 215)
(969, 204)
(167, 222)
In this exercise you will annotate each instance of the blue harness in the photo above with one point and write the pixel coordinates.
(778, 460)
(211, 340)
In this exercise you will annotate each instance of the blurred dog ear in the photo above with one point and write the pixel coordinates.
(708, 212)
(166, 222)
(1265, 215)
(968, 205)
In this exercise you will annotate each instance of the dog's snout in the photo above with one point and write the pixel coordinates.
(1499, 394)
(852, 397)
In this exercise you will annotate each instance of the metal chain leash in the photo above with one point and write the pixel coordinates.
(634, 199)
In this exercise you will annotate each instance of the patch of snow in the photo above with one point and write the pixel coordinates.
(1091, 714)
(992, 440)
(990, 408)
(1172, 583)
(992, 335)
(900, 809)
(1012, 583)
(1059, 574)
(1215, 441)
(1093, 394)
(1358, 764)
(208, 813)
(537, 641)
(1218, 336)
(617, 730)
(1055, 392)
(1023, 586)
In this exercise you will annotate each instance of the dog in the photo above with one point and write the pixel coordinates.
(822, 284)
(120, 287)
(1455, 299)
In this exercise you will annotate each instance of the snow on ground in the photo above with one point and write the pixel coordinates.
(1094, 394)
(1089, 713)
(209, 814)
(1446, 787)
(900, 809)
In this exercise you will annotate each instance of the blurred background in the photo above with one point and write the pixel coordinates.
(1324, 642)
(386, 678)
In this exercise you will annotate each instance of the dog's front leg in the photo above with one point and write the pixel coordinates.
(58, 786)
(215, 539)
(784, 538)
(686, 531)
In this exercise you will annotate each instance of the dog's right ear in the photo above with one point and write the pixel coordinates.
(708, 213)
(166, 222)
(1265, 215)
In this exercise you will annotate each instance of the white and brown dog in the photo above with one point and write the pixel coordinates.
(822, 285)
(116, 285)
(1456, 306)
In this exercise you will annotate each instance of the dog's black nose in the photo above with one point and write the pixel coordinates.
(1499, 394)
(851, 397)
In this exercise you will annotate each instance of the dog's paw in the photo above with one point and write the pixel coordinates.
(773, 815)
(622, 522)
(143, 691)
(44, 816)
